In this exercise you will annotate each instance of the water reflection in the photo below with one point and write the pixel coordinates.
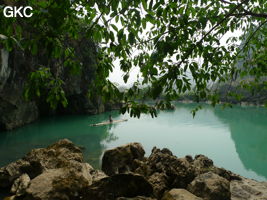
(225, 136)
(15, 144)
(233, 138)
(248, 127)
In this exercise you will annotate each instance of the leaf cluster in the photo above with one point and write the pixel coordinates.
(176, 44)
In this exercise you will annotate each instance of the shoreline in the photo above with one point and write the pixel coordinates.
(242, 104)
(59, 171)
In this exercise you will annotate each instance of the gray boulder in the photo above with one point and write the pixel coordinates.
(248, 189)
(203, 164)
(122, 159)
(61, 154)
(59, 173)
(179, 194)
(13, 171)
(57, 155)
(159, 181)
(165, 171)
(210, 186)
(20, 185)
(60, 184)
(119, 185)
(136, 198)
(179, 171)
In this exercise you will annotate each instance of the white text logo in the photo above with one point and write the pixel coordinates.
(21, 11)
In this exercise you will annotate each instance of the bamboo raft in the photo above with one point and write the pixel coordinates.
(108, 122)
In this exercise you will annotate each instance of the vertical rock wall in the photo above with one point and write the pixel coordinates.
(14, 110)
(4, 70)
(16, 65)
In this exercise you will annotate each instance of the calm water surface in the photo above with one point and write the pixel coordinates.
(233, 138)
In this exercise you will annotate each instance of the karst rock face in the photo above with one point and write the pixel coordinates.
(122, 159)
(59, 172)
(15, 68)
(63, 154)
(210, 186)
(55, 172)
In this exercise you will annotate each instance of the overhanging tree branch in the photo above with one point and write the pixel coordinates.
(212, 29)
(227, 2)
(249, 13)
(96, 21)
(251, 36)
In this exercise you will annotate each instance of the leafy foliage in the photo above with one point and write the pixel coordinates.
(42, 84)
(176, 44)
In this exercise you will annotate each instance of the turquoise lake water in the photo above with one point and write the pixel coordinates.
(234, 138)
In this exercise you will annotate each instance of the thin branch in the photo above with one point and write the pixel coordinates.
(148, 40)
(250, 37)
(248, 13)
(212, 29)
(262, 15)
(227, 2)
(247, 42)
(119, 13)
(96, 21)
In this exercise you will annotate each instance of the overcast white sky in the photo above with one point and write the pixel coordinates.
(117, 75)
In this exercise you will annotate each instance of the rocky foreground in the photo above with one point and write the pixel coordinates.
(59, 173)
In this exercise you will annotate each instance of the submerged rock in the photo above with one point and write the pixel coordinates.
(121, 159)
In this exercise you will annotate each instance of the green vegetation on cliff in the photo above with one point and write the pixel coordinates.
(178, 45)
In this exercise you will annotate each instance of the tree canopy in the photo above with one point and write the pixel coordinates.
(179, 45)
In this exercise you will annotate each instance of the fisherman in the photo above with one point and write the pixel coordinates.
(110, 119)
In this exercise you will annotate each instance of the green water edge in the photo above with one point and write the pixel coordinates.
(234, 138)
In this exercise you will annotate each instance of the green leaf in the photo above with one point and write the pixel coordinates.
(125, 78)
(114, 27)
(144, 3)
(131, 38)
(34, 48)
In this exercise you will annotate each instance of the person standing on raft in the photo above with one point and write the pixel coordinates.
(110, 119)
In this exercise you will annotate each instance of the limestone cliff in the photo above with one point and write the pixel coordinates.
(15, 67)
